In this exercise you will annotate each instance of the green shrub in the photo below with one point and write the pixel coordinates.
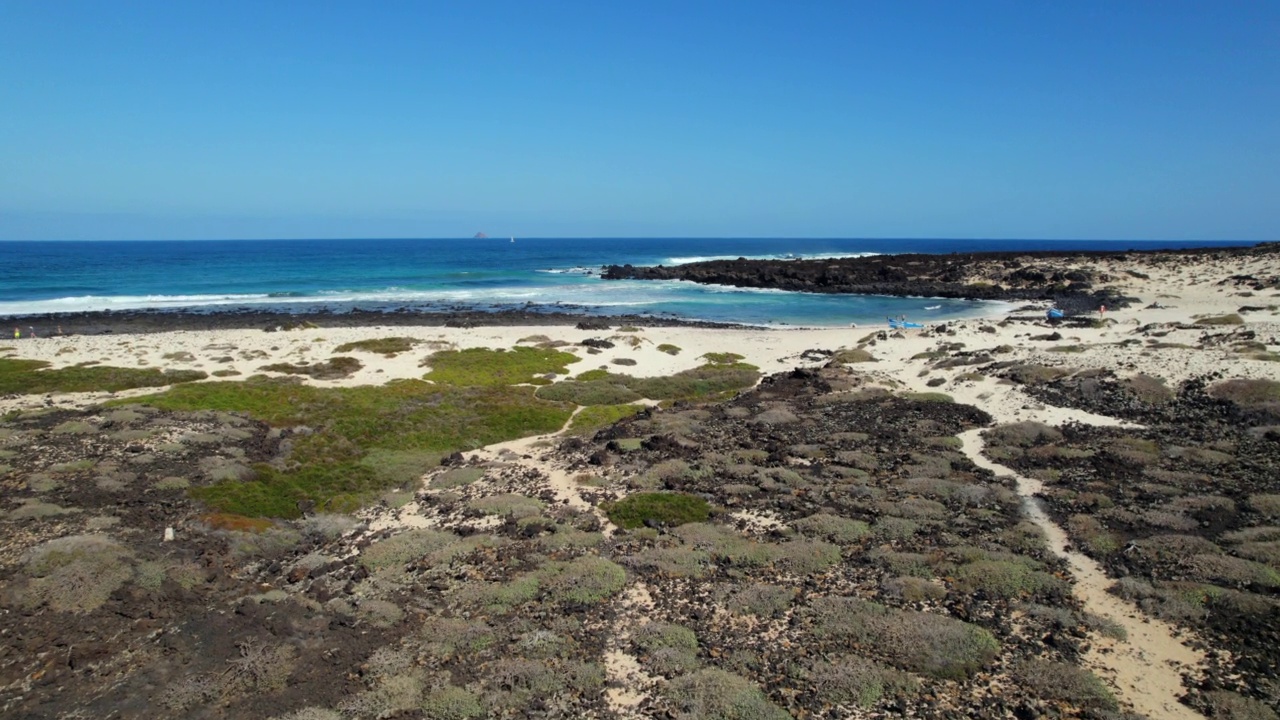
(1065, 683)
(682, 561)
(586, 580)
(513, 684)
(1234, 706)
(1005, 579)
(1231, 319)
(713, 694)
(926, 643)
(929, 397)
(1022, 434)
(74, 574)
(1247, 392)
(486, 367)
(855, 681)
(508, 505)
(456, 477)
(667, 649)
(398, 550)
(759, 599)
(805, 557)
(1035, 374)
(325, 465)
(390, 346)
(669, 349)
(722, 358)
(334, 368)
(590, 419)
(852, 356)
(399, 468)
(839, 530)
(445, 637)
(451, 702)
(32, 377)
(590, 392)
(669, 509)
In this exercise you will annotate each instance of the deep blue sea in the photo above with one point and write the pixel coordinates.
(486, 274)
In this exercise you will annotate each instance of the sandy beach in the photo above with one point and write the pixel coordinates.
(1168, 301)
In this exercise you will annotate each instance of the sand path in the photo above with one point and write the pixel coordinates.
(627, 679)
(1147, 668)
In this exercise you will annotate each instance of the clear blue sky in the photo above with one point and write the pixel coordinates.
(1071, 119)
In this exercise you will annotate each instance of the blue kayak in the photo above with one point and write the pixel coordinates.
(1054, 314)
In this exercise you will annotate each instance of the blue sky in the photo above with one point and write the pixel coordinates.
(989, 118)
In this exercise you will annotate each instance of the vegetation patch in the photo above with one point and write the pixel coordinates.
(74, 574)
(714, 694)
(1231, 319)
(334, 464)
(334, 368)
(600, 387)
(593, 418)
(853, 355)
(664, 509)
(669, 349)
(31, 377)
(390, 346)
(484, 367)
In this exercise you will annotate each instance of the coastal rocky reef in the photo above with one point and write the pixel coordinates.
(1074, 281)
(815, 547)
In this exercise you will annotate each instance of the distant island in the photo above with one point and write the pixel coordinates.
(480, 236)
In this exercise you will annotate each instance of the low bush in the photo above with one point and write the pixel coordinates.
(852, 356)
(1247, 392)
(858, 682)
(514, 684)
(667, 649)
(487, 367)
(390, 346)
(926, 643)
(713, 694)
(590, 419)
(74, 574)
(666, 509)
(759, 599)
(1267, 504)
(1065, 683)
(1006, 579)
(32, 377)
(1023, 434)
(836, 529)
(586, 580)
(669, 349)
(398, 550)
(1091, 535)
(456, 477)
(1228, 705)
(334, 368)
(451, 702)
(590, 392)
(1230, 319)
(511, 505)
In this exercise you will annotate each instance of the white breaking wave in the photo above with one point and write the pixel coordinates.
(782, 256)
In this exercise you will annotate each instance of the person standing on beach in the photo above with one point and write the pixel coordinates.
(17, 333)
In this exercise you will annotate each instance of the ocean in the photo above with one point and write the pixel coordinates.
(533, 274)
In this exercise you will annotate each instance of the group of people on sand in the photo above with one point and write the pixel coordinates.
(31, 332)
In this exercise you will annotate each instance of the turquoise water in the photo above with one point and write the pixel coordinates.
(485, 274)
